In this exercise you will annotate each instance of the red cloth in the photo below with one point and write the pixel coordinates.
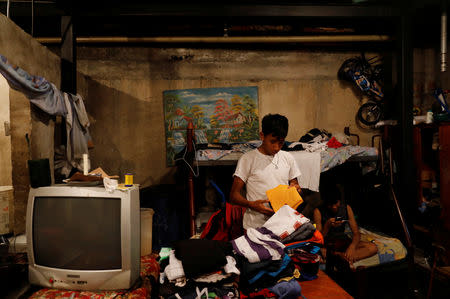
(266, 293)
(317, 237)
(333, 143)
(149, 267)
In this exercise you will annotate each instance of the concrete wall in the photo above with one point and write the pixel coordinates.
(427, 77)
(123, 90)
(5, 139)
(22, 50)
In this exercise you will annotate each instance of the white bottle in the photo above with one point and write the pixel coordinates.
(86, 164)
(429, 119)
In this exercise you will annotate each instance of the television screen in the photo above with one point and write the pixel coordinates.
(83, 238)
(76, 232)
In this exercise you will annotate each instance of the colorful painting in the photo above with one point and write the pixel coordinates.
(219, 115)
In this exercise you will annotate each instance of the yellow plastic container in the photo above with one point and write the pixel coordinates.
(128, 180)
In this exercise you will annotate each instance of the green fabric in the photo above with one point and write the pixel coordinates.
(164, 253)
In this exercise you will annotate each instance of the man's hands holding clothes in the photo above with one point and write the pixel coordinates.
(294, 184)
(260, 206)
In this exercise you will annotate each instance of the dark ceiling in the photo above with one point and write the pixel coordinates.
(134, 18)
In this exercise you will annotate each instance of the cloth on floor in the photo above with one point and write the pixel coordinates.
(212, 277)
(230, 267)
(285, 221)
(266, 280)
(192, 289)
(258, 244)
(200, 256)
(283, 195)
(263, 293)
(249, 270)
(306, 258)
(175, 269)
(285, 261)
(287, 289)
(143, 288)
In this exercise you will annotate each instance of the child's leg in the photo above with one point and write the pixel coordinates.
(364, 250)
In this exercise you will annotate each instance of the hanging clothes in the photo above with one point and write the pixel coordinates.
(46, 96)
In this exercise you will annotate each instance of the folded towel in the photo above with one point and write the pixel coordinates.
(283, 195)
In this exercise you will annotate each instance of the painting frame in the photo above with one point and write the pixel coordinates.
(220, 115)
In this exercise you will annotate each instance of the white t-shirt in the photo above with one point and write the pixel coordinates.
(260, 173)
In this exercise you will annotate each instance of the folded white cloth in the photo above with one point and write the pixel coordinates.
(285, 221)
(309, 165)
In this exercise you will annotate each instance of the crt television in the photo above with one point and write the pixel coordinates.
(83, 238)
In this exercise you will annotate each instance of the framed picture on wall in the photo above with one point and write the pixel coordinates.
(219, 115)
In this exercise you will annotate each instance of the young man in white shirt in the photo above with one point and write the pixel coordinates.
(262, 169)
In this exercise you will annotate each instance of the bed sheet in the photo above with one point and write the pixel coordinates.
(149, 268)
(311, 164)
(389, 249)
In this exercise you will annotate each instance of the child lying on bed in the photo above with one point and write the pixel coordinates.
(331, 220)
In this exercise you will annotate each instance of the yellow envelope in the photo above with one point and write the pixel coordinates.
(283, 195)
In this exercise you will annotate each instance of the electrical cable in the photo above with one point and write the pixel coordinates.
(187, 163)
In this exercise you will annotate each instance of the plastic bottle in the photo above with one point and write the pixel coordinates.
(429, 119)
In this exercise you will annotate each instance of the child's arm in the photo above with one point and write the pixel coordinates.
(327, 226)
(237, 198)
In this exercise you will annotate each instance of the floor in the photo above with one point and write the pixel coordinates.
(394, 285)
(390, 284)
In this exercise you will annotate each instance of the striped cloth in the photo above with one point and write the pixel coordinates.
(259, 244)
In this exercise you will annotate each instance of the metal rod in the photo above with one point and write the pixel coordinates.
(7, 9)
(444, 40)
(221, 39)
(32, 17)
(190, 149)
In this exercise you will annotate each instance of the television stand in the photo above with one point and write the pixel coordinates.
(13, 274)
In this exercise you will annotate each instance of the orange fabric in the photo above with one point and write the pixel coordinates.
(283, 195)
(316, 238)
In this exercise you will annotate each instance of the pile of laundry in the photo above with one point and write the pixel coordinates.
(317, 140)
(270, 261)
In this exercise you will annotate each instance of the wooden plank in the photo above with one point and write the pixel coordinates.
(323, 288)
(444, 155)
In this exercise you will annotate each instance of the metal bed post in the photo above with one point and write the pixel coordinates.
(190, 149)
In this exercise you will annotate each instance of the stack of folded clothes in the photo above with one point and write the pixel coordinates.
(268, 261)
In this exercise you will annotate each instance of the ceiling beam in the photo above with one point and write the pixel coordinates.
(202, 10)
(222, 40)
